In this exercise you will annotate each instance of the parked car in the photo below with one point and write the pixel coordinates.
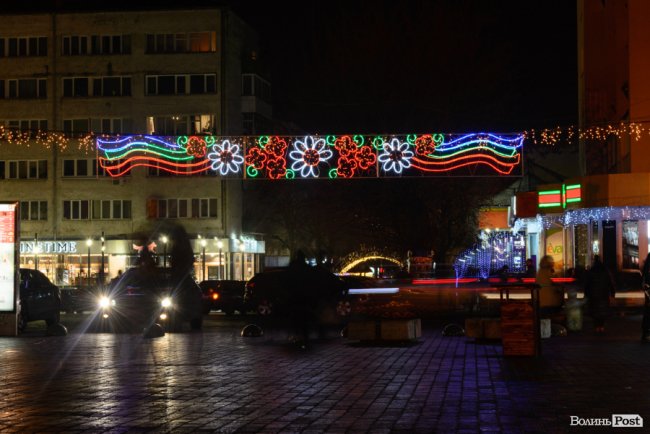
(224, 295)
(40, 299)
(141, 297)
(282, 292)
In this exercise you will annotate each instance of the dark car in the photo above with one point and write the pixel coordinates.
(142, 297)
(224, 295)
(40, 299)
(282, 292)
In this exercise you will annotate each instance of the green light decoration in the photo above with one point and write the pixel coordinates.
(346, 156)
(411, 139)
(182, 140)
(252, 172)
(378, 143)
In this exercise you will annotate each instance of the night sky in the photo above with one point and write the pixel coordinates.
(419, 66)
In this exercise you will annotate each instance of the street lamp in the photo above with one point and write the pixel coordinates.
(164, 240)
(89, 242)
(242, 247)
(101, 270)
(203, 244)
(219, 246)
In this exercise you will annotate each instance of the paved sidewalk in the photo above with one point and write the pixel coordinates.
(217, 381)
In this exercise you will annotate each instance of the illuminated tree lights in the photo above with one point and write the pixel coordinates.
(346, 156)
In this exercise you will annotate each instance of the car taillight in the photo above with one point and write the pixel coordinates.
(215, 295)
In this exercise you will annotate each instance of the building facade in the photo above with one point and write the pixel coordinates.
(155, 72)
(606, 209)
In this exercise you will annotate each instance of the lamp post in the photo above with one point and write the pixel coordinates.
(164, 240)
(219, 246)
(101, 270)
(89, 242)
(203, 244)
(242, 247)
(36, 251)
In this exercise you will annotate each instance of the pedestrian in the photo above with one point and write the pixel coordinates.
(645, 325)
(530, 268)
(551, 295)
(600, 290)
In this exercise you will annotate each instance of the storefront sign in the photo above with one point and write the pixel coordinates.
(33, 247)
(8, 259)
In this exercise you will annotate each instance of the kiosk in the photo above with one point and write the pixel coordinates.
(9, 277)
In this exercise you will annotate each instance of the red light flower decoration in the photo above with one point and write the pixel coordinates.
(196, 147)
(346, 146)
(346, 167)
(276, 146)
(255, 157)
(424, 145)
(366, 157)
(277, 167)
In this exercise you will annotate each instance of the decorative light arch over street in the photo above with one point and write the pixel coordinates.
(302, 157)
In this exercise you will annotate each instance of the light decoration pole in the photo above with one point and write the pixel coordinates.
(164, 240)
(101, 270)
(242, 247)
(89, 242)
(203, 244)
(220, 247)
(36, 251)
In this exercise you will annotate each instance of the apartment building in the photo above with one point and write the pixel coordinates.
(183, 72)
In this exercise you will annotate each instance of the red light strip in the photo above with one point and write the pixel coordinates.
(144, 161)
(456, 163)
(444, 281)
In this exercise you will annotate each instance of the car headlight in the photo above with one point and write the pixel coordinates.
(166, 302)
(105, 302)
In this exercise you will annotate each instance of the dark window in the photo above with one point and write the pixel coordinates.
(111, 87)
(211, 83)
(126, 86)
(106, 44)
(94, 44)
(126, 209)
(42, 88)
(33, 212)
(27, 89)
(67, 87)
(22, 169)
(24, 210)
(43, 210)
(2, 47)
(117, 209)
(80, 87)
(42, 169)
(82, 168)
(195, 208)
(33, 169)
(213, 207)
(151, 85)
(180, 84)
(68, 167)
(197, 84)
(172, 208)
(2, 170)
(126, 44)
(151, 45)
(33, 46)
(67, 211)
(74, 45)
(182, 208)
(42, 46)
(13, 47)
(162, 208)
(166, 85)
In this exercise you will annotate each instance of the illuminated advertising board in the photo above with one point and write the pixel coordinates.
(8, 256)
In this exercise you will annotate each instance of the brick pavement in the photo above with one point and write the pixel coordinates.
(216, 381)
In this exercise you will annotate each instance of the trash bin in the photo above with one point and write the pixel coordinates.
(520, 322)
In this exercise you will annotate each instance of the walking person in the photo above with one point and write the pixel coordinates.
(645, 325)
(599, 292)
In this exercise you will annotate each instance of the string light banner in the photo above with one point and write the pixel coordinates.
(305, 157)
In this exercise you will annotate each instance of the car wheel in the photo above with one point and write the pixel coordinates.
(264, 308)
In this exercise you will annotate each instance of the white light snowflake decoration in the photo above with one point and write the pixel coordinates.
(396, 156)
(308, 154)
(226, 158)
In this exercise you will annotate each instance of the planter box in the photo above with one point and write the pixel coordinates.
(385, 330)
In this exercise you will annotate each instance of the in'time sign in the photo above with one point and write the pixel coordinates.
(8, 258)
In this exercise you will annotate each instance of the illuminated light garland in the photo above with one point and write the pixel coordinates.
(315, 157)
(225, 158)
(308, 154)
(495, 250)
(468, 160)
(396, 156)
(587, 215)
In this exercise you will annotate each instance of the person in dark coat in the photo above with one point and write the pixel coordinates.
(599, 292)
(645, 325)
